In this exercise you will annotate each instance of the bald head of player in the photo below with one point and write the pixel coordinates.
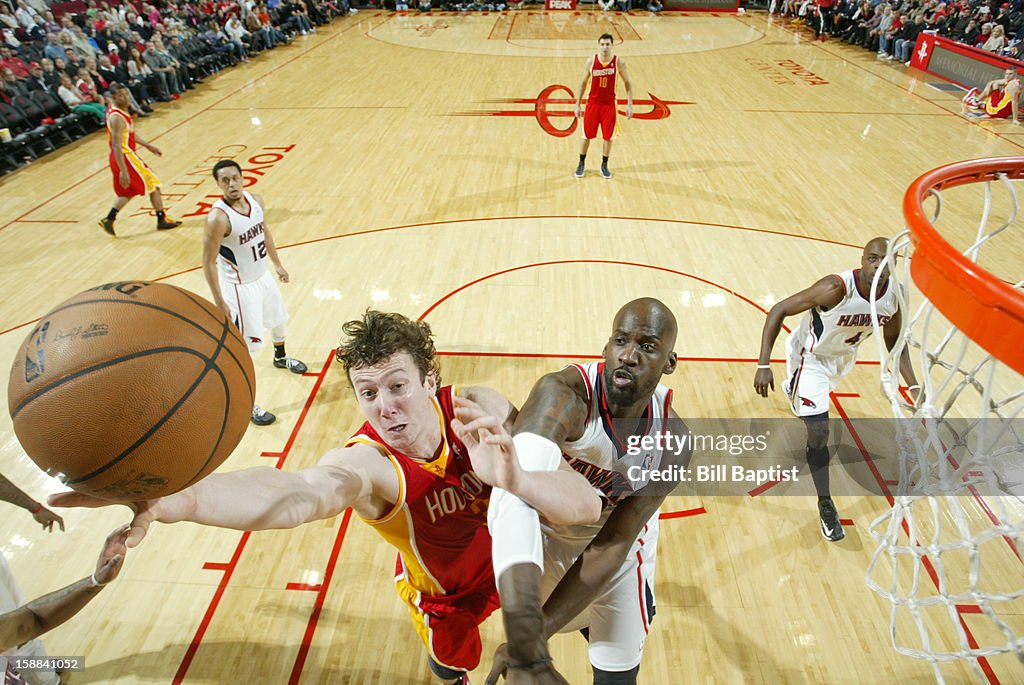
(638, 353)
(871, 260)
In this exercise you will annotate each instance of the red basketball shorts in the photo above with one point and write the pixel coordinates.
(599, 113)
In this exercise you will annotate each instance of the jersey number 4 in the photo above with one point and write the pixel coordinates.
(259, 251)
(849, 341)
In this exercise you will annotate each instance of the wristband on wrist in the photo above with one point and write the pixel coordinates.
(39, 508)
(95, 583)
(764, 366)
(530, 664)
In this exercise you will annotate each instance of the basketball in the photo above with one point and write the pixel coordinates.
(131, 390)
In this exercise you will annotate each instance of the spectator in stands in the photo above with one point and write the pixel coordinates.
(50, 73)
(81, 44)
(54, 48)
(71, 97)
(986, 33)
(7, 18)
(238, 36)
(9, 60)
(50, 24)
(907, 37)
(885, 37)
(997, 41)
(140, 71)
(15, 86)
(163, 68)
(36, 80)
(180, 54)
(5, 97)
(873, 38)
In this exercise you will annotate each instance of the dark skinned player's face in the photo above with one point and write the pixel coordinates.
(873, 259)
(636, 356)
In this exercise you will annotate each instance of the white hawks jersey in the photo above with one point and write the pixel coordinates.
(603, 457)
(833, 335)
(243, 253)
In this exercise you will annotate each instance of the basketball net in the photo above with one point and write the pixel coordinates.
(960, 452)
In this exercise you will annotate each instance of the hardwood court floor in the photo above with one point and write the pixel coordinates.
(424, 165)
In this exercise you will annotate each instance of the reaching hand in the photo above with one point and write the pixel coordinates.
(489, 443)
(47, 518)
(154, 149)
(541, 674)
(112, 557)
(168, 509)
(763, 380)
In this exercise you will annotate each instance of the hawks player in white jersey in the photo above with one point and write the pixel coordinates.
(599, 578)
(822, 350)
(236, 248)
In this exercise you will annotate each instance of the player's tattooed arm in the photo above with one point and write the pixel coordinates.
(826, 293)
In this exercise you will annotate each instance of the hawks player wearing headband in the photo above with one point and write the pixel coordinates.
(236, 248)
(601, 70)
(597, 578)
(822, 350)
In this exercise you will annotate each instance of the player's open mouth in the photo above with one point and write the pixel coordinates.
(397, 429)
(621, 377)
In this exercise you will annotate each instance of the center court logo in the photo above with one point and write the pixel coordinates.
(557, 102)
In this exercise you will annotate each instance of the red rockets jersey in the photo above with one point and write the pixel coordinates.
(602, 81)
(439, 523)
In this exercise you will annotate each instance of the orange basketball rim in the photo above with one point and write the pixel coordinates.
(987, 309)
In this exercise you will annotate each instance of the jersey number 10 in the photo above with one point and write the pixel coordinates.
(259, 251)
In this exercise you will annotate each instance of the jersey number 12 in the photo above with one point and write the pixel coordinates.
(259, 251)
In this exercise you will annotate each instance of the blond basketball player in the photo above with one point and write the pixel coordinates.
(597, 578)
(132, 176)
(601, 70)
(822, 350)
(236, 248)
(412, 472)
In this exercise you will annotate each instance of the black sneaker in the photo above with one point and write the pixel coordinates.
(605, 173)
(290, 363)
(580, 170)
(107, 225)
(167, 223)
(831, 528)
(261, 417)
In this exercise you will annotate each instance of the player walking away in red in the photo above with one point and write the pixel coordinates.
(131, 175)
(411, 472)
(596, 578)
(999, 100)
(822, 350)
(602, 69)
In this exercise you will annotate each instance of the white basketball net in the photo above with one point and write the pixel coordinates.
(955, 584)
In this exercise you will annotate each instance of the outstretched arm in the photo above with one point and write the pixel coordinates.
(259, 498)
(827, 293)
(31, 620)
